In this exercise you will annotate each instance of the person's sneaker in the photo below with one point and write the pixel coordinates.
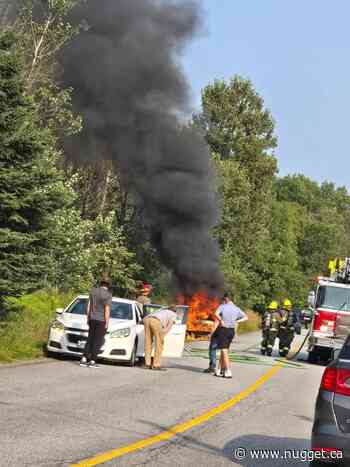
(83, 361)
(159, 368)
(227, 374)
(93, 364)
(209, 370)
(218, 372)
(147, 367)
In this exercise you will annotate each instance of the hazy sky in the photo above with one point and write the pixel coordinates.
(297, 54)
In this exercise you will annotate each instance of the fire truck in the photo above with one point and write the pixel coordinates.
(330, 303)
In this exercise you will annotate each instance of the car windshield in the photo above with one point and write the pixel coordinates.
(119, 310)
(335, 298)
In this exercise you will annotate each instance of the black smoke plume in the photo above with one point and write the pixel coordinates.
(132, 95)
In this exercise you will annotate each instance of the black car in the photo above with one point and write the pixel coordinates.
(331, 429)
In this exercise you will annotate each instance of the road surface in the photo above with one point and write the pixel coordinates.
(57, 414)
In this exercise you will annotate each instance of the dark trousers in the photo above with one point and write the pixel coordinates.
(95, 341)
(213, 346)
(268, 340)
(286, 337)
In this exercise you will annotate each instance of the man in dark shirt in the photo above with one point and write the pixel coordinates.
(98, 312)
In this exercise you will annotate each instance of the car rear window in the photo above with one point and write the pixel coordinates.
(119, 310)
(345, 352)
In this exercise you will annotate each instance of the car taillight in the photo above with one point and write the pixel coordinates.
(329, 379)
(325, 321)
(343, 382)
(337, 381)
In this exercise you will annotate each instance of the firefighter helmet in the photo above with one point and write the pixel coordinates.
(146, 288)
(287, 304)
(273, 305)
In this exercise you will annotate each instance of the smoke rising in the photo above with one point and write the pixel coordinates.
(132, 95)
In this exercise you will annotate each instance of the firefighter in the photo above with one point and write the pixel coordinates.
(270, 325)
(289, 325)
(145, 291)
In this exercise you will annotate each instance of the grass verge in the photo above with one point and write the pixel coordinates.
(23, 333)
(253, 323)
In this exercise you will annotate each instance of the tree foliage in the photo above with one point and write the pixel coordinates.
(240, 133)
(31, 187)
(43, 29)
(275, 234)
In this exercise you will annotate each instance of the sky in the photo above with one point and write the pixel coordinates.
(297, 55)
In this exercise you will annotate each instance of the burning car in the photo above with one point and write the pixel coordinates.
(201, 310)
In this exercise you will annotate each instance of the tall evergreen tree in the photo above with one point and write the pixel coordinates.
(30, 186)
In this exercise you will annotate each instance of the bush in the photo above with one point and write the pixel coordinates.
(23, 333)
(253, 323)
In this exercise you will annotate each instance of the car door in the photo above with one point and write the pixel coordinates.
(140, 332)
(174, 341)
(341, 401)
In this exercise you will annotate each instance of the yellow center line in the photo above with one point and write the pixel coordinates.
(180, 428)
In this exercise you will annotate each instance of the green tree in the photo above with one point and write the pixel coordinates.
(240, 133)
(82, 248)
(31, 187)
(235, 121)
(324, 226)
(43, 29)
(279, 274)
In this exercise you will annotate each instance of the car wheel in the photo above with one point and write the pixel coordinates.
(313, 356)
(132, 360)
(50, 354)
(326, 355)
(320, 355)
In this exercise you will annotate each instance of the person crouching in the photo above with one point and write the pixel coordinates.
(157, 325)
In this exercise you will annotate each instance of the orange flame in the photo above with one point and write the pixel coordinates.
(201, 310)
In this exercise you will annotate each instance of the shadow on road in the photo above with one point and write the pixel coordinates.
(295, 450)
(194, 369)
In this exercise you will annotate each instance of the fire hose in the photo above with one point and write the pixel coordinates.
(300, 348)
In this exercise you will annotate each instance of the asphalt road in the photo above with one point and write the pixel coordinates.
(57, 413)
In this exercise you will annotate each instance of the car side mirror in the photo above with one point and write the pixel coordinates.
(59, 311)
(311, 299)
(336, 353)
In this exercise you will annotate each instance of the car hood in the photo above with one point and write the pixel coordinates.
(72, 320)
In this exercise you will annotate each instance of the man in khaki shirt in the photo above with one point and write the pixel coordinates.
(157, 325)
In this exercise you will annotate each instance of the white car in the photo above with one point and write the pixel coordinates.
(124, 340)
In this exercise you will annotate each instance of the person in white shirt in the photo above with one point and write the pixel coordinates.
(228, 315)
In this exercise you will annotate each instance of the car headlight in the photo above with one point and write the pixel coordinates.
(125, 332)
(57, 325)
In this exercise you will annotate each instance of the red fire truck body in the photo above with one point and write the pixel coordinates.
(331, 317)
